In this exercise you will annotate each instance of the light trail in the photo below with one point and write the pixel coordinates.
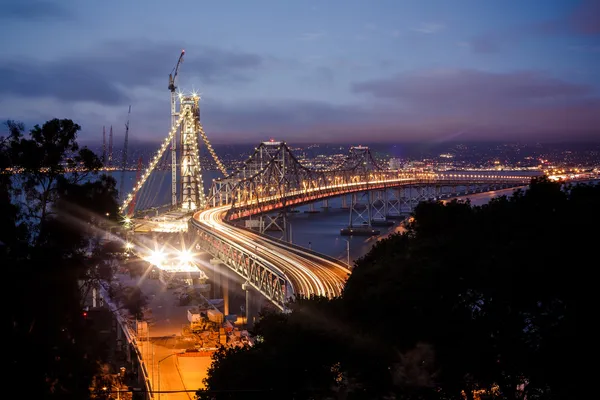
(309, 274)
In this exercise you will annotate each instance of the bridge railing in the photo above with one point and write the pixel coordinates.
(130, 336)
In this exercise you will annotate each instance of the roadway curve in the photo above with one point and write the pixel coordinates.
(309, 274)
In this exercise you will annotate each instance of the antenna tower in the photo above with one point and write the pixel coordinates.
(124, 162)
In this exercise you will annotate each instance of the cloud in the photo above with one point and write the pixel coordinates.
(489, 104)
(429, 28)
(109, 73)
(469, 90)
(32, 10)
(59, 81)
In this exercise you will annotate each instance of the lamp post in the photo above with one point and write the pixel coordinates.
(347, 251)
(159, 361)
(246, 287)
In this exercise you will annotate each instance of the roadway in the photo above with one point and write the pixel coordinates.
(308, 273)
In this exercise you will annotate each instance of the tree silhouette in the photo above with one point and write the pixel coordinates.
(51, 207)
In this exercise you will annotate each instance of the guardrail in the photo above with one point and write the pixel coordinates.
(129, 334)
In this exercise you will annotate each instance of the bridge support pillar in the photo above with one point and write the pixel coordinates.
(360, 217)
(249, 307)
(225, 290)
(378, 203)
(311, 209)
(276, 223)
(325, 203)
(344, 202)
(393, 204)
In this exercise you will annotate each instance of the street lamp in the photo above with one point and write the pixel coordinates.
(159, 361)
(246, 287)
(347, 251)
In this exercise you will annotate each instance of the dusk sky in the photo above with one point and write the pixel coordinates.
(309, 71)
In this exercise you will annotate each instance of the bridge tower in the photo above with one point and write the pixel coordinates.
(191, 186)
(187, 132)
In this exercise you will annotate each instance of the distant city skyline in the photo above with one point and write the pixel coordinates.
(312, 71)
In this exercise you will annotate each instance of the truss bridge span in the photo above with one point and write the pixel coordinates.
(272, 179)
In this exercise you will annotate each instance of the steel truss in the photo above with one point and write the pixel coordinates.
(265, 277)
(272, 179)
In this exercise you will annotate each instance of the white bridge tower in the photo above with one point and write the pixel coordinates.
(191, 186)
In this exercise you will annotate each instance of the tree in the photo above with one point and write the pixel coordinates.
(48, 253)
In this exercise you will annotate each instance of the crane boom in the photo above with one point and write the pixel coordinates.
(172, 87)
(124, 162)
(173, 74)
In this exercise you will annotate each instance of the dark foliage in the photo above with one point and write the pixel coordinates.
(471, 301)
(52, 209)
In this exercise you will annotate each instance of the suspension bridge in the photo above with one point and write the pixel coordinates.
(231, 219)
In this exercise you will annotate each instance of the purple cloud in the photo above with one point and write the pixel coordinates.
(102, 74)
(468, 91)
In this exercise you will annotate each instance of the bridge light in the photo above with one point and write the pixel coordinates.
(156, 258)
(185, 256)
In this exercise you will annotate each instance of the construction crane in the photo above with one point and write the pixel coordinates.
(172, 87)
(124, 161)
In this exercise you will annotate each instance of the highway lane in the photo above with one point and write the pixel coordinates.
(308, 273)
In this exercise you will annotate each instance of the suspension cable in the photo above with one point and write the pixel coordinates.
(212, 151)
(152, 164)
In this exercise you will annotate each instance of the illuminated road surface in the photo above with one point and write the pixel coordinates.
(308, 274)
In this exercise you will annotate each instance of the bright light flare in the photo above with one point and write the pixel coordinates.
(186, 257)
(127, 220)
(156, 257)
(129, 245)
